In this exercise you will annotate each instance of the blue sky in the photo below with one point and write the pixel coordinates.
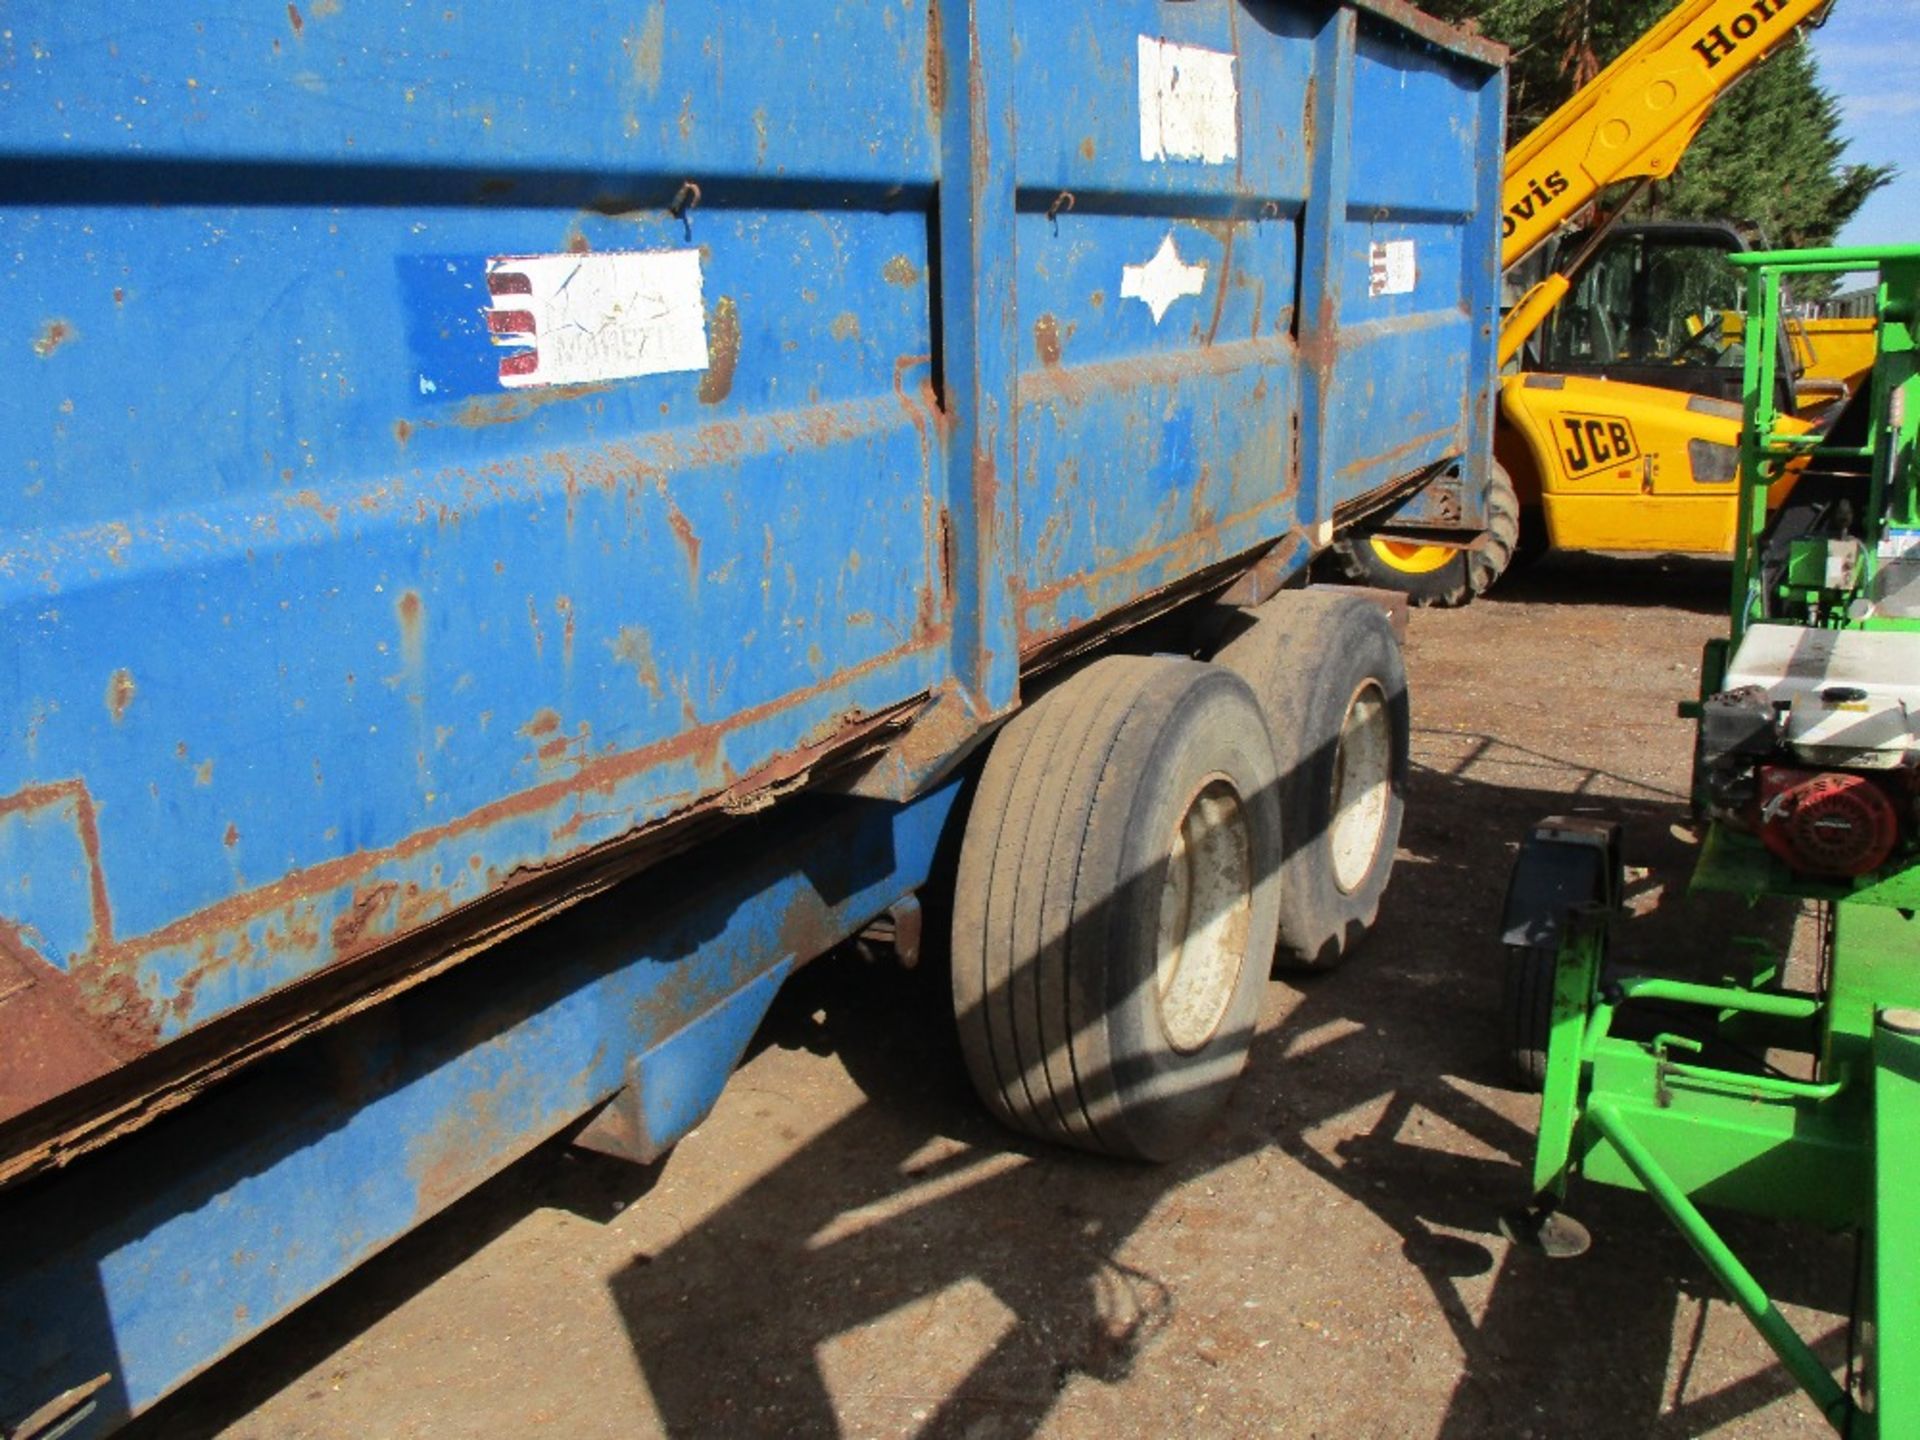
(1867, 52)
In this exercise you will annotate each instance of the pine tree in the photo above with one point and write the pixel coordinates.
(1769, 156)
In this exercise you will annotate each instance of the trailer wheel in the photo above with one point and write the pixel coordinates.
(1116, 903)
(1438, 575)
(1327, 668)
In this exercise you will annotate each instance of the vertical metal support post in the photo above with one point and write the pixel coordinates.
(1893, 1344)
(977, 327)
(1481, 368)
(1895, 367)
(1756, 437)
(1329, 113)
(1872, 968)
(1576, 978)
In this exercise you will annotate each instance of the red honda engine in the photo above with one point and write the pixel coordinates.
(1827, 822)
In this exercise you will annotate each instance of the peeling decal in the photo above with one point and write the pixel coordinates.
(1162, 280)
(1189, 103)
(1390, 268)
(574, 319)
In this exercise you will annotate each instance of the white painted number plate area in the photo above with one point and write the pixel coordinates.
(1390, 268)
(1189, 104)
(577, 319)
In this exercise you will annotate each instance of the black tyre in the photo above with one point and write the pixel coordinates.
(1438, 575)
(1566, 863)
(1328, 672)
(1533, 543)
(1529, 1012)
(1115, 904)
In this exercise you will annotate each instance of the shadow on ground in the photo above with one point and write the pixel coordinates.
(1585, 1347)
(916, 1191)
(1697, 584)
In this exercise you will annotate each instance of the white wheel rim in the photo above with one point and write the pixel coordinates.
(1362, 786)
(1206, 909)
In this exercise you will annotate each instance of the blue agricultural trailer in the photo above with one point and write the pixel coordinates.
(522, 526)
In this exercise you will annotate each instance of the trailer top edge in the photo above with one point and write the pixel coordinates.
(1456, 38)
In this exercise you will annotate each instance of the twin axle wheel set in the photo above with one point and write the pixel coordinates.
(1146, 838)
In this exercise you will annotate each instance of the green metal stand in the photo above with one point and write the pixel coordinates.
(1839, 1148)
(1838, 1151)
(1893, 1270)
(1747, 1293)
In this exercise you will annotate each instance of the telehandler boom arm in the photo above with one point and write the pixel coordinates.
(1632, 121)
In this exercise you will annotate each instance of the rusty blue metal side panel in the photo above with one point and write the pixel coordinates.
(1246, 297)
(1158, 250)
(147, 1262)
(451, 450)
(1415, 298)
(322, 618)
(447, 447)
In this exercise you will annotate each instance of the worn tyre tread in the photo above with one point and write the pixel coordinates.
(1491, 555)
(1057, 805)
(1529, 1011)
(1031, 743)
(1040, 752)
(1294, 635)
(1040, 1014)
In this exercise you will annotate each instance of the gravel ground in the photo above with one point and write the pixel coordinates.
(850, 1247)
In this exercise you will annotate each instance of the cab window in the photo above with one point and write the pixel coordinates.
(1644, 302)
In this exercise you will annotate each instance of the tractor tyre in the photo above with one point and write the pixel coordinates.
(1441, 576)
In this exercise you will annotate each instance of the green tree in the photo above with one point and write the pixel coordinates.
(1557, 45)
(1770, 154)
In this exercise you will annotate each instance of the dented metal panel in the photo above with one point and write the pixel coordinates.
(337, 597)
(272, 1187)
(1214, 345)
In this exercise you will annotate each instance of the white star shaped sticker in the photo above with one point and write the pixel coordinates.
(1162, 280)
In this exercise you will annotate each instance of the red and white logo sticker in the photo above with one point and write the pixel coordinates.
(577, 319)
(1391, 269)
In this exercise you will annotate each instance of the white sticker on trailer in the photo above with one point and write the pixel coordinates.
(578, 319)
(1189, 103)
(1390, 268)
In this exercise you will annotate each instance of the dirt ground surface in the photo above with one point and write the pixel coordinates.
(849, 1246)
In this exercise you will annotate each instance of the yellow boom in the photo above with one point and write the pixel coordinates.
(1633, 121)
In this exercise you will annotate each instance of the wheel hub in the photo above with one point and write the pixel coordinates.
(1362, 786)
(1205, 911)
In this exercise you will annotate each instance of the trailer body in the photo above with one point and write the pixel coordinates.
(463, 465)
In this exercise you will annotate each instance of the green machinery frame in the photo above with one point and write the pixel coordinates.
(1839, 1148)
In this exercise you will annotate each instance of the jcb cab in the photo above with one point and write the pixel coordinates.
(1622, 432)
